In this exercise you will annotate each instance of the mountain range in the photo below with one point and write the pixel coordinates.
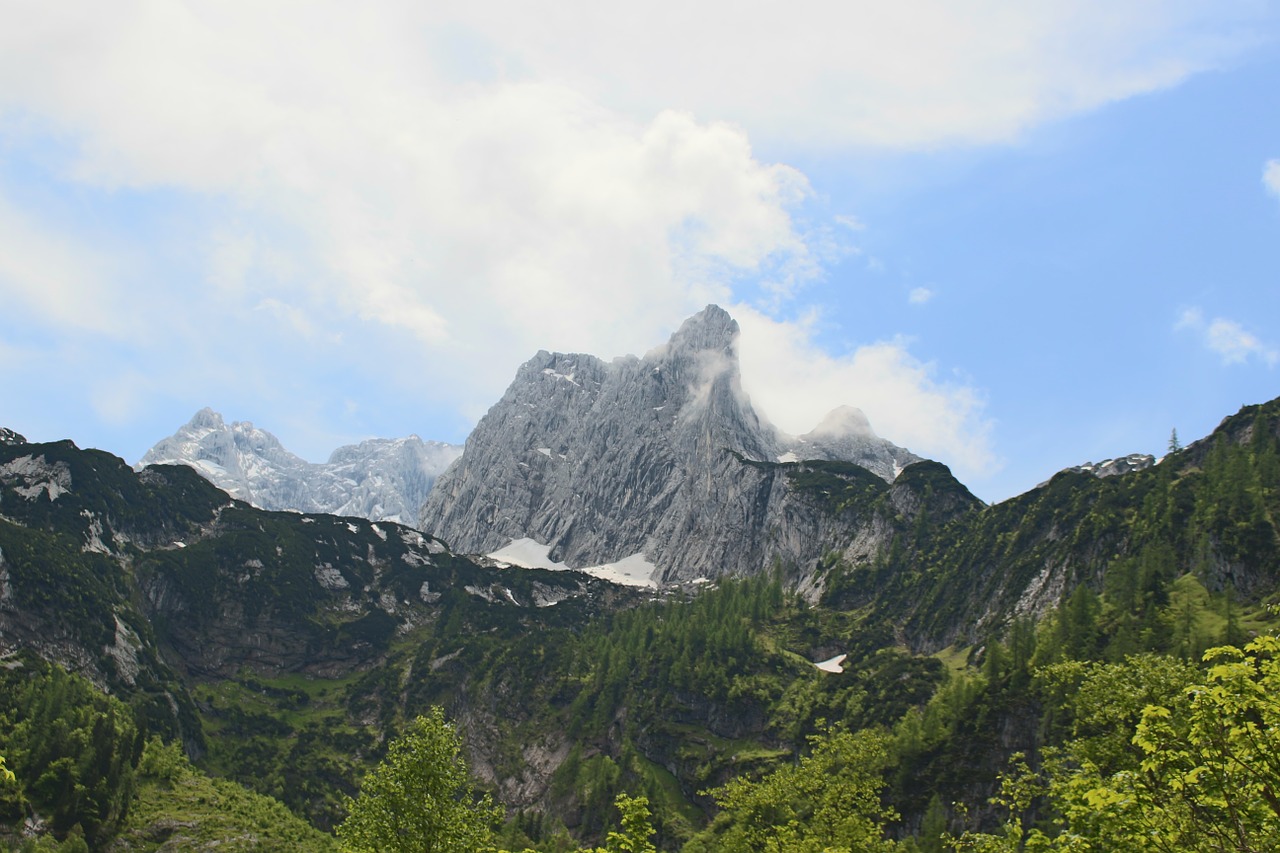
(646, 470)
(659, 460)
(282, 648)
(381, 479)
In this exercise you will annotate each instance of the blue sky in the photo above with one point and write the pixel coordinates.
(1019, 236)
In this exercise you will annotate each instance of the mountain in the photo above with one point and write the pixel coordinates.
(153, 584)
(379, 479)
(284, 649)
(660, 460)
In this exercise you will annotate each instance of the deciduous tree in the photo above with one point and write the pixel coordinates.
(419, 799)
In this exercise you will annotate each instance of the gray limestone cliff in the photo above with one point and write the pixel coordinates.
(662, 456)
(381, 479)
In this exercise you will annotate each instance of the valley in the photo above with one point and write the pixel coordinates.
(181, 669)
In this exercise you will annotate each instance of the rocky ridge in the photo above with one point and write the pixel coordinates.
(381, 479)
(662, 456)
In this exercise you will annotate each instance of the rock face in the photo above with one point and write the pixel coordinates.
(8, 436)
(1113, 467)
(381, 479)
(662, 456)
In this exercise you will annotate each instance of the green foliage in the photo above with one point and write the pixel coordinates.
(828, 801)
(74, 749)
(419, 800)
(1197, 770)
(177, 807)
(636, 828)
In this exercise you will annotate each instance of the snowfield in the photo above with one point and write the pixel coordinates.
(629, 571)
(835, 664)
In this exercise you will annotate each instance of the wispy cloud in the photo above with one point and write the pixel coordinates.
(916, 73)
(796, 383)
(1228, 339)
(1271, 177)
(919, 295)
(47, 277)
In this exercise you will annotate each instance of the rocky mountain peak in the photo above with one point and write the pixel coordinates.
(8, 436)
(843, 422)
(710, 330)
(846, 435)
(661, 458)
(380, 479)
(207, 418)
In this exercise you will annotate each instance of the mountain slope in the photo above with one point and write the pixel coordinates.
(661, 456)
(379, 479)
(281, 647)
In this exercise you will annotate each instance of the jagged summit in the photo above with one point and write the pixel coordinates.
(660, 458)
(711, 329)
(845, 434)
(380, 479)
(1113, 467)
(843, 422)
(8, 436)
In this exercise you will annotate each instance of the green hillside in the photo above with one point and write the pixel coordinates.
(183, 669)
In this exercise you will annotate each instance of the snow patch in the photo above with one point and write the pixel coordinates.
(629, 571)
(788, 457)
(835, 664)
(545, 451)
(567, 377)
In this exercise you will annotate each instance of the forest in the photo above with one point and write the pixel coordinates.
(1136, 712)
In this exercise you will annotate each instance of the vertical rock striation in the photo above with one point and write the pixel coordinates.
(662, 456)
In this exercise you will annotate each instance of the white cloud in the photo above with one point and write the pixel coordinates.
(1271, 177)
(116, 399)
(1228, 339)
(795, 384)
(61, 282)
(485, 220)
(919, 295)
(913, 73)
(574, 176)
(1236, 346)
(1191, 318)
